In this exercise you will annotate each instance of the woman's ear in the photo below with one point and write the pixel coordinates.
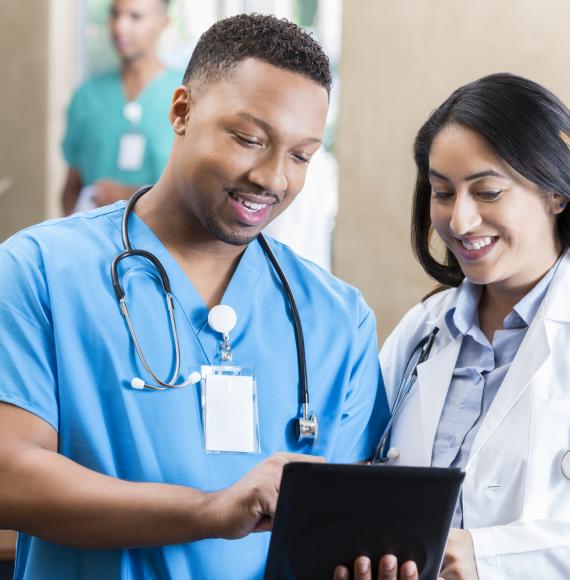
(180, 109)
(558, 203)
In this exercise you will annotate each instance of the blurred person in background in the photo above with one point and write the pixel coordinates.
(118, 133)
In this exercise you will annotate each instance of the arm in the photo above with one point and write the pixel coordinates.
(71, 191)
(47, 495)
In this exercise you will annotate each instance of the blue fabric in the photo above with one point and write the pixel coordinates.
(95, 125)
(479, 372)
(69, 359)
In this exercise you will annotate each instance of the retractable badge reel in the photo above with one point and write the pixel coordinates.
(229, 398)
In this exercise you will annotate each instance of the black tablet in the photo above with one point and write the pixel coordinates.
(328, 514)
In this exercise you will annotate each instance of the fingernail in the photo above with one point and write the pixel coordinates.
(341, 573)
(410, 570)
(363, 566)
(390, 563)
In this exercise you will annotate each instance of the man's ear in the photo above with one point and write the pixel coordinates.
(180, 109)
(558, 203)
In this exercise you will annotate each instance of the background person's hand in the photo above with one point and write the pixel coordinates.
(387, 570)
(249, 505)
(459, 559)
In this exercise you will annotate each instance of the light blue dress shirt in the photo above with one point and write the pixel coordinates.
(480, 370)
(66, 356)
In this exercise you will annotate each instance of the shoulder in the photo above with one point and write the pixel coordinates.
(64, 239)
(317, 287)
(417, 320)
(96, 87)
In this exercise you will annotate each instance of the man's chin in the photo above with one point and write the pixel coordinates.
(233, 237)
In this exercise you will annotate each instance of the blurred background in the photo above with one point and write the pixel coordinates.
(394, 62)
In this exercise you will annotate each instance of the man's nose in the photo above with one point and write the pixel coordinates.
(465, 215)
(270, 174)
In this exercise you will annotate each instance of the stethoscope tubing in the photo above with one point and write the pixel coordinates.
(419, 355)
(129, 251)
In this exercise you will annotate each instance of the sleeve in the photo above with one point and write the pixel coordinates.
(27, 358)
(525, 549)
(72, 138)
(366, 411)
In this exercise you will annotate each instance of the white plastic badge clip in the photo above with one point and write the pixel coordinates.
(223, 318)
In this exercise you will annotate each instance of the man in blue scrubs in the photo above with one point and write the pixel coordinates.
(106, 481)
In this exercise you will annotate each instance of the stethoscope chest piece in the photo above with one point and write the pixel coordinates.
(307, 428)
(565, 464)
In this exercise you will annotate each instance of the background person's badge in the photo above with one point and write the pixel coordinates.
(131, 152)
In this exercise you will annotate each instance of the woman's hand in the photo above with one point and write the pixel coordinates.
(459, 559)
(387, 570)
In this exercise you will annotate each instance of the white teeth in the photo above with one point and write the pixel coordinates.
(250, 205)
(478, 244)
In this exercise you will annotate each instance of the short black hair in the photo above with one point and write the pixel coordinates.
(526, 125)
(275, 41)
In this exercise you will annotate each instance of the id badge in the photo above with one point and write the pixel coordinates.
(229, 410)
(131, 152)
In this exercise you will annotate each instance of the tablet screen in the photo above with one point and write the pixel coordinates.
(329, 514)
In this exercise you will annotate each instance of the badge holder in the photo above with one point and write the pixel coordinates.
(133, 143)
(229, 398)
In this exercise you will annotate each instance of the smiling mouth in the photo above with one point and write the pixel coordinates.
(477, 244)
(250, 205)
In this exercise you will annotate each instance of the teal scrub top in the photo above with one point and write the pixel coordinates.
(95, 125)
(68, 358)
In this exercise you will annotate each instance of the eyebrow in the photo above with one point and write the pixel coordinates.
(473, 176)
(270, 130)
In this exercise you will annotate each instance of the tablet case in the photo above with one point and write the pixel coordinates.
(329, 514)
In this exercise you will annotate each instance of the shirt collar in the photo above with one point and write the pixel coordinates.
(463, 315)
(525, 309)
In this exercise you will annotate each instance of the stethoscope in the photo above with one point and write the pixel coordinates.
(419, 355)
(306, 426)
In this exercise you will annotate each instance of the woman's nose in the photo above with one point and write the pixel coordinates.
(465, 215)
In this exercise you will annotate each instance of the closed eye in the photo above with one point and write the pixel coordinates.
(246, 141)
(442, 195)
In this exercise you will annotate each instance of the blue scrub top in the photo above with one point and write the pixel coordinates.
(68, 358)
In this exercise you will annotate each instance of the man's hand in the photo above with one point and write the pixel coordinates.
(108, 191)
(249, 505)
(387, 570)
(459, 560)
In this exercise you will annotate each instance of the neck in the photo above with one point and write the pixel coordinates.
(136, 73)
(207, 261)
(498, 300)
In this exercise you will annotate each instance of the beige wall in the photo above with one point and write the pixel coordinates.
(400, 60)
(37, 68)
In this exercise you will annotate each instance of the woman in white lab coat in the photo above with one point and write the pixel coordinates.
(493, 397)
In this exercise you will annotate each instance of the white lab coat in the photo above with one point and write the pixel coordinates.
(516, 500)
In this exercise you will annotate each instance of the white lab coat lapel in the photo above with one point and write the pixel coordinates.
(533, 353)
(434, 377)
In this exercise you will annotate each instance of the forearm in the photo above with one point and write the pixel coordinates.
(47, 495)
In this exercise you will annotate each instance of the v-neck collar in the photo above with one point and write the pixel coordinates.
(238, 292)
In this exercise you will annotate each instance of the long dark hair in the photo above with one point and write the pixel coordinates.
(527, 126)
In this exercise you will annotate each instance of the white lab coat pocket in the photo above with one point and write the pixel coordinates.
(547, 493)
